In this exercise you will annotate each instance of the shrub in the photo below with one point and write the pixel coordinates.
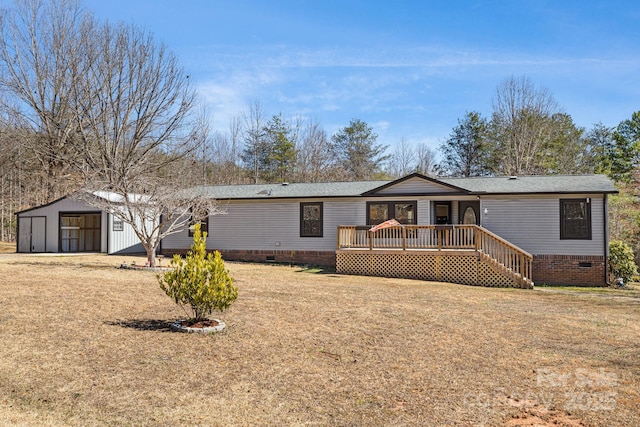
(621, 262)
(199, 281)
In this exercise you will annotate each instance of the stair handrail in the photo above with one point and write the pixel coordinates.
(506, 253)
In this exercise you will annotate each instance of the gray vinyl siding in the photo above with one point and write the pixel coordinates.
(416, 186)
(424, 212)
(275, 225)
(533, 223)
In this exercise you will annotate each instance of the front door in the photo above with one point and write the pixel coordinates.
(442, 212)
(469, 212)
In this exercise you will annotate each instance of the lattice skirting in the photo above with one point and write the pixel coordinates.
(464, 268)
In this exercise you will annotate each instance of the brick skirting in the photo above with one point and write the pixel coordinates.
(577, 270)
(322, 258)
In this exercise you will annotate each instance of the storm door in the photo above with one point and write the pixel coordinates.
(442, 212)
(469, 212)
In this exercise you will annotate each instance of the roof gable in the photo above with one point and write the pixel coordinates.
(415, 184)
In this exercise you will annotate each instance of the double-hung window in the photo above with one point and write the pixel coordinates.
(575, 219)
(311, 219)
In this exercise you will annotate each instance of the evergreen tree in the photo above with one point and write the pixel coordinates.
(599, 146)
(356, 151)
(566, 151)
(626, 148)
(281, 157)
(466, 152)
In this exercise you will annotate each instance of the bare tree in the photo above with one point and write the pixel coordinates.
(134, 113)
(135, 108)
(42, 51)
(255, 153)
(314, 162)
(403, 160)
(425, 160)
(521, 125)
(235, 130)
(155, 214)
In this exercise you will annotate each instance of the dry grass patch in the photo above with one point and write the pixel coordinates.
(85, 343)
(7, 247)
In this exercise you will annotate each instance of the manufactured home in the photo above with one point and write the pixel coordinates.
(496, 231)
(68, 225)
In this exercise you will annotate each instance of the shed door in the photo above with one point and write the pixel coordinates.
(38, 233)
(80, 232)
(24, 238)
(32, 234)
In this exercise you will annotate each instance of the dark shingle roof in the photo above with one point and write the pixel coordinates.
(536, 184)
(292, 190)
(477, 185)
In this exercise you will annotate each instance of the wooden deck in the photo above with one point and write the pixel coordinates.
(456, 253)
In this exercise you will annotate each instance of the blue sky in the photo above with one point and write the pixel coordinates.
(410, 69)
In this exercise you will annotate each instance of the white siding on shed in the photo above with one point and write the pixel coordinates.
(48, 221)
(52, 213)
(124, 241)
(533, 223)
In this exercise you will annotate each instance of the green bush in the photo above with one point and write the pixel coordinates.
(621, 261)
(199, 281)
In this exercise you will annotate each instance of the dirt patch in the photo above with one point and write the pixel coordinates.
(86, 343)
(536, 415)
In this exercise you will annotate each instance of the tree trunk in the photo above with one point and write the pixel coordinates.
(150, 248)
(151, 257)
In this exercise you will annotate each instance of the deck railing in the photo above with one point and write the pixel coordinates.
(439, 237)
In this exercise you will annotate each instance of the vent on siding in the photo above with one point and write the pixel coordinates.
(584, 264)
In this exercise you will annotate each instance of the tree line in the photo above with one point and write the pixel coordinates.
(528, 134)
(105, 107)
(258, 148)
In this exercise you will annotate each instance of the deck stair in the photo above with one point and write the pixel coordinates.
(518, 279)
